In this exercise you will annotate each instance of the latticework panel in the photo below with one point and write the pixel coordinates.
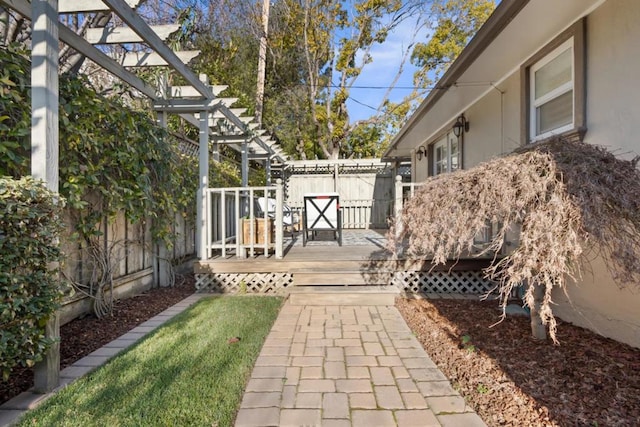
(443, 282)
(232, 283)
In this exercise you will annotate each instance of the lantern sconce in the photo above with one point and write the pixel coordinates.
(421, 151)
(460, 126)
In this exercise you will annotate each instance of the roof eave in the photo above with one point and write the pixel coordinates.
(499, 19)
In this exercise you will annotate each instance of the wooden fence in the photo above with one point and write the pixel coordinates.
(366, 188)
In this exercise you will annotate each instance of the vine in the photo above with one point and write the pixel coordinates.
(112, 160)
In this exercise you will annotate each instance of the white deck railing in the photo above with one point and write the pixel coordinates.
(237, 222)
(405, 190)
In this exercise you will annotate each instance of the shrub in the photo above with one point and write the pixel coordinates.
(30, 290)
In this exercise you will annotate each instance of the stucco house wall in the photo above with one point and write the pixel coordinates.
(613, 114)
(612, 93)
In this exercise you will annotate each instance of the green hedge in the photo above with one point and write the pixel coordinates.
(30, 291)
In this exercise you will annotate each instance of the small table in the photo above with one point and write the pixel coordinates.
(322, 212)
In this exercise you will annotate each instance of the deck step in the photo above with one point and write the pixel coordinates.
(342, 295)
(342, 278)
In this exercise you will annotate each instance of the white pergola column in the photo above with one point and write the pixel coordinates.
(267, 170)
(201, 214)
(245, 163)
(44, 147)
(162, 266)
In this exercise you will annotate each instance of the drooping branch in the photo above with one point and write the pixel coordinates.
(565, 199)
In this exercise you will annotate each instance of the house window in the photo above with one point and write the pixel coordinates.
(446, 153)
(553, 87)
(552, 92)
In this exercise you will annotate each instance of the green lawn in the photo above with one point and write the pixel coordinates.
(184, 374)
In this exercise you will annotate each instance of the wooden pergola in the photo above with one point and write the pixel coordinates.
(197, 103)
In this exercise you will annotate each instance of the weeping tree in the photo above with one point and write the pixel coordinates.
(569, 201)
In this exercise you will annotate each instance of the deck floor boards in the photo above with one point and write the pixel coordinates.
(362, 251)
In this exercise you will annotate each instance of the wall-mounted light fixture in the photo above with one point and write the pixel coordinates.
(461, 125)
(421, 151)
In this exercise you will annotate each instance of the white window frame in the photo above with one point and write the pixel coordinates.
(555, 93)
(446, 142)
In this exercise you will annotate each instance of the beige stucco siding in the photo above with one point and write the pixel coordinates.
(613, 76)
(494, 124)
(595, 302)
(613, 116)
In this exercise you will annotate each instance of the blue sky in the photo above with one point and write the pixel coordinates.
(387, 58)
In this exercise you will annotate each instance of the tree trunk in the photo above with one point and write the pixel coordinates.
(262, 61)
(538, 330)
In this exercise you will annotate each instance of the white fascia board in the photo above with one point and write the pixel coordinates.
(191, 92)
(84, 6)
(123, 35)
(151, 59)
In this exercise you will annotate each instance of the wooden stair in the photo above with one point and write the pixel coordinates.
(342, 295)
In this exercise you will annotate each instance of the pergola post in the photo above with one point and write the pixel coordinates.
(162, 264)
(245, 163)
(44, 147)
(267, 170)
(201, 214)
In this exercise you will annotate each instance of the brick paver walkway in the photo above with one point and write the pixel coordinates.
(348, 366)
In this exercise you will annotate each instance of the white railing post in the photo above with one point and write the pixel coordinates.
(279, 218)
(398, 215)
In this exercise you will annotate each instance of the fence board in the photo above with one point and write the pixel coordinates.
(366, 188)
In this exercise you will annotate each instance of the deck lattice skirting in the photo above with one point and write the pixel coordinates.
(438, 282)
(443, 282)
(232, 283)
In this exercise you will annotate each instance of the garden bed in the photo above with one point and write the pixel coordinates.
(83, 336)
(510, 379)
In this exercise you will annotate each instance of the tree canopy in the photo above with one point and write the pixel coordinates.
(316, 52)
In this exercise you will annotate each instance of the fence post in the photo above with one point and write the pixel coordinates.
(398, 216)
(279, 218)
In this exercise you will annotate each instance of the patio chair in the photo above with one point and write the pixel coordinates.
(321, 213)
(267, 205)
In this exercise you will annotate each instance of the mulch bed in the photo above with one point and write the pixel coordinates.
(83, 336)
(511, 379)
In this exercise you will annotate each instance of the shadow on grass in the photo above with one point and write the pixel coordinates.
(185, 373)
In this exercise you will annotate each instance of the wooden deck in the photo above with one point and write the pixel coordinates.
(361, 260)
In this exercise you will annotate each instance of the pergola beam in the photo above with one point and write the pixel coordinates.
(151, 59)
(85, 48)
(141, 28)
(123, 35)
(84, 6)
(191, 92)
(193, 105)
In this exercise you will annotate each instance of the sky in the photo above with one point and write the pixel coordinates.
(387, 58)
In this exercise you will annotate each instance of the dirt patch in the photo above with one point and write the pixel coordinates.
(83, 336)
(510, 379)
